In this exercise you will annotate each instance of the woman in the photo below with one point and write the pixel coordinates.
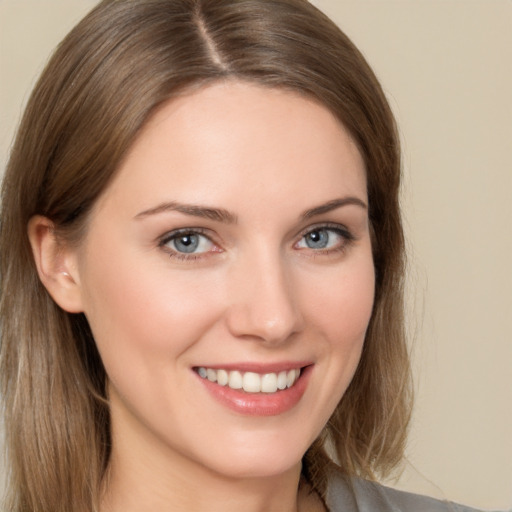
(202, 263)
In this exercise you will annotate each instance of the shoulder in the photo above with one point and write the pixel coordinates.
(346, 494)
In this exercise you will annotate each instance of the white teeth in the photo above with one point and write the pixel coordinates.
(290, 378)
(222, 377)
(251, 382)
(281, 380)
(269, 383)
(235, 380)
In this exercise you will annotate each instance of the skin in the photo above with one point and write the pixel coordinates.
(254, 291)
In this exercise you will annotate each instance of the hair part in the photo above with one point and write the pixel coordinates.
(105, 80)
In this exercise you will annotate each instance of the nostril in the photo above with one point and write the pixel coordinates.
(267, 310)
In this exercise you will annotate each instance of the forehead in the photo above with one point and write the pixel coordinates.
(216, 142)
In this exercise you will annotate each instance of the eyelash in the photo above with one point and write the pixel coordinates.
(174, 235)
(347, 239)
(344, 233)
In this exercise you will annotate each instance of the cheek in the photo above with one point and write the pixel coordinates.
(145, 312)
(343, 305)
(342, 310)
(339, 310)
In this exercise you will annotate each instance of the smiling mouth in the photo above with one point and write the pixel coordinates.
(251, 382)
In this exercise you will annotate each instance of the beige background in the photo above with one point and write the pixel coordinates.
(447, 68)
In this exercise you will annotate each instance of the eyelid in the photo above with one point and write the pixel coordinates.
(333, 226)
(176, 233)
(169, 235)
(341, 230)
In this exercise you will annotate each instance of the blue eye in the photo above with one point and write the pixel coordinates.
(188, 242)
(323, 239)
(317, 239)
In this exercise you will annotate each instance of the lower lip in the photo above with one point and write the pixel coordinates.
(260, 404)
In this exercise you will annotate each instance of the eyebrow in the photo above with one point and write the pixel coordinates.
(205, 212)
(227, 217)
(333, 205)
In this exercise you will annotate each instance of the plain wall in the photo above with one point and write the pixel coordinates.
(447, 69)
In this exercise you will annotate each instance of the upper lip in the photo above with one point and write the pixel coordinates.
(261, 368)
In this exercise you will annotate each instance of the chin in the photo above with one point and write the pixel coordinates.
(258, 468)
(258, 459)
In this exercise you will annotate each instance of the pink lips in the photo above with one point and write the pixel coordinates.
(260, 404)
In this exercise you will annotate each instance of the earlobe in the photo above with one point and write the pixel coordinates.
(56, 264)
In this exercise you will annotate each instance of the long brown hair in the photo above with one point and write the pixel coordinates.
(110, 74)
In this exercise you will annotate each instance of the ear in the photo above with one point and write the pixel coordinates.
(56, 264)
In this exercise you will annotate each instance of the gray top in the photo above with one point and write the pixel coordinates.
(357, 495)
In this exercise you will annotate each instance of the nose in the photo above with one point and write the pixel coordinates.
(263, 303)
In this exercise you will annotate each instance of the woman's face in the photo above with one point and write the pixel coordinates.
(233, 244)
